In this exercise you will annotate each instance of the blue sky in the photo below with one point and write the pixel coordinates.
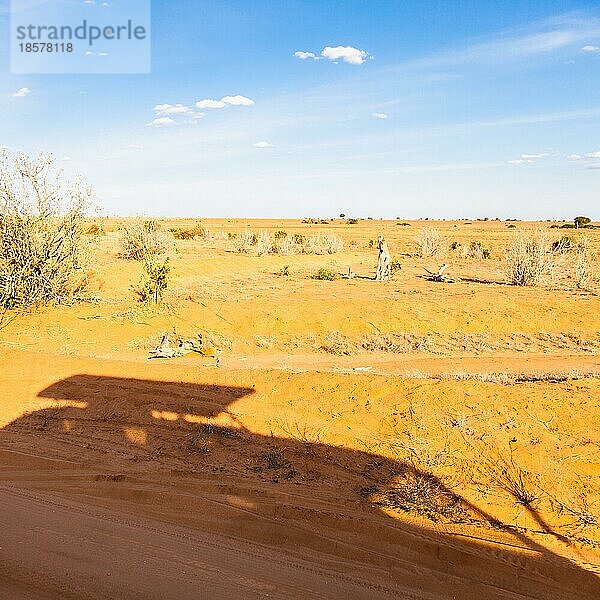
(411, 109)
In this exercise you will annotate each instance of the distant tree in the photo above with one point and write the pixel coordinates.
(582, 222)
(342, 216)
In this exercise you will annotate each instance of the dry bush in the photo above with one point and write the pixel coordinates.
(564, 244)
(95, 229)
(143, 238)
(337, 343)
(585, 258)
(322, 244)
(510, 477)
(423, 494)
(528, 262)
(429, 243)
(244, 241)
(476, 249)
(397, 343)
(42, 252)
(264, 243)
(188, 234)
(287, 246)
(579, 509)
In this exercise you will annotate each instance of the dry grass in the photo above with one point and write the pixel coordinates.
(323, 244)
(475, 249)
(244, 241)
(585, 261)
(430, 242)
(511, 478)
(180, 233)
(337, 343)
(528, 261)
(423, 494)
(143, 238)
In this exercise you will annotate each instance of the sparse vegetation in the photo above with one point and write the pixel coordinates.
(154, 281)
(429, 243)
(42, 254)
(585, 261)
(323, 244)
(244, 241)
(188, 234)
(265, 243)
(564, 244)
(337, 343)
(512, 479)
(395, 265)
(95, 229)
(423, 494)
(325, 275)
(141, 239)
(528, 262)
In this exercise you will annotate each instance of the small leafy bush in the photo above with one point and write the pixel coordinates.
(155, 281)
(325, 275)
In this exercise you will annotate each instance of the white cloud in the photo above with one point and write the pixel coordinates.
(237, 100)
(210, 104)
(304, 55)
(519, 161)
(350, 55)
(21, 93)
(263, 144)
(591, 49)
(593, 154)
(225, 101)
(135, 146)
(171, 109)
(532, 156)
(574, 157)
(380, 115)
(161, 122)
(593, 166)
(66, 158)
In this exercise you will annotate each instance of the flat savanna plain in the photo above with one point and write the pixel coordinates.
(360, 439)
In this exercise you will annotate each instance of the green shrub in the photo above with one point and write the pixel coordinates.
(188, 234)
(155, 280)
(325, 275)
